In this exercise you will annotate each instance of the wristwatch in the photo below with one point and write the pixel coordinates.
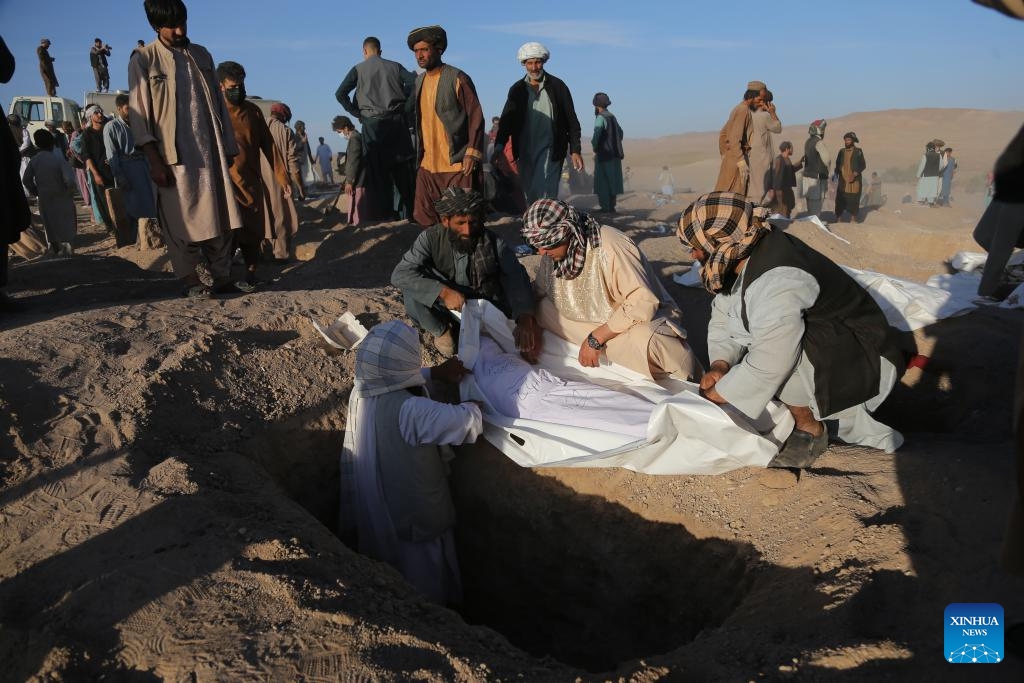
(593, 343)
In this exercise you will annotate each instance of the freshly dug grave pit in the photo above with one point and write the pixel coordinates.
(558, 573)
(578, 578)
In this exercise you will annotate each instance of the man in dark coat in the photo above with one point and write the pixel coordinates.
(849, 167)
(46, 67)
(540, 118)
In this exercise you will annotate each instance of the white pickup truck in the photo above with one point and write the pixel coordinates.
(35, 110)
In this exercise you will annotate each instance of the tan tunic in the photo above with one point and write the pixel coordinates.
(733, 144)
(762, 125)
(282, 216)
(168, 87)
(617, 287)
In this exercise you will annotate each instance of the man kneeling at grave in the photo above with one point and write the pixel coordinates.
(460, 259)
(788, 323)
(598, 290)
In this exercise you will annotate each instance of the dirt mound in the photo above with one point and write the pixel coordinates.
(169, 491)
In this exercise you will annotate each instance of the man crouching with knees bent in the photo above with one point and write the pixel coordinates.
(788, 323)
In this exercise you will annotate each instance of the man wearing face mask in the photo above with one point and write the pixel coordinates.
(362, 204)
(253, 188)
(460, 259)
(540, 118)
(189, 155)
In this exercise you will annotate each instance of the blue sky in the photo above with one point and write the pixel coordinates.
(669, 67)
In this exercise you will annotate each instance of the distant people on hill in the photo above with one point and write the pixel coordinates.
(850, 165)
(323, 159)
(46, 67)
(50, 178)
(98, 61)
(949, 166)
(874, 198)
(666, 182)
(929, 172)
(607, 145)
(734, 142)
(540, 118)
(816, 160)
(763, 123)
(782, 181)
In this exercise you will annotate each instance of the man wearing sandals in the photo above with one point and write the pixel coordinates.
(788, 323)
(179, 119)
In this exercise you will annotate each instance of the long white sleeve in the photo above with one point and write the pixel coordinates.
(775, 312)
(423, 421)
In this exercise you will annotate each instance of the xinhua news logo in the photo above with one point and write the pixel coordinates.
(973, 633)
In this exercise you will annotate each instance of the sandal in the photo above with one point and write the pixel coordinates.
(199, 291)
(240, 287)
(801, 449)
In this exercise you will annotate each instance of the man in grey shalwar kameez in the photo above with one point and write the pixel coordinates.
(129, 166)
(788, 323)
(180, 120)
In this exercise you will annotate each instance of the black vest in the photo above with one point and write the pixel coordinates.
(931, 165)
(814, 165)
(454, 119)
(845, 332)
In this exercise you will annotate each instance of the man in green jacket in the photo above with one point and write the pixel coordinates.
(460, 259)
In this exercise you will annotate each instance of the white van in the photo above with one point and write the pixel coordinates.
(35, 110)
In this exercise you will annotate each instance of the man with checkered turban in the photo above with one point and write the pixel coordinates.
(597, 290)
(394, 485)
(460, 259)
(788, 323)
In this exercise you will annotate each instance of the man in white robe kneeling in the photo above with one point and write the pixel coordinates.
(787, 322)
(394, 480)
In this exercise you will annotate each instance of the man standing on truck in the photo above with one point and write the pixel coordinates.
(98, 61)
(46, 67)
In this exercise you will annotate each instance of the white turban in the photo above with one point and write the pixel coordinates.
(532, 51)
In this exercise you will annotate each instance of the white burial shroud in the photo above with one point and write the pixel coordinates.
(571, 416)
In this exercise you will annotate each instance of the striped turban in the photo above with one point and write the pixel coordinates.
(550, 222)
(458, 201)
(388, 359)
(725, 226)
(434, 35)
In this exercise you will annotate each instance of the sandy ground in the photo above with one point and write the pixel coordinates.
(169, 487)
